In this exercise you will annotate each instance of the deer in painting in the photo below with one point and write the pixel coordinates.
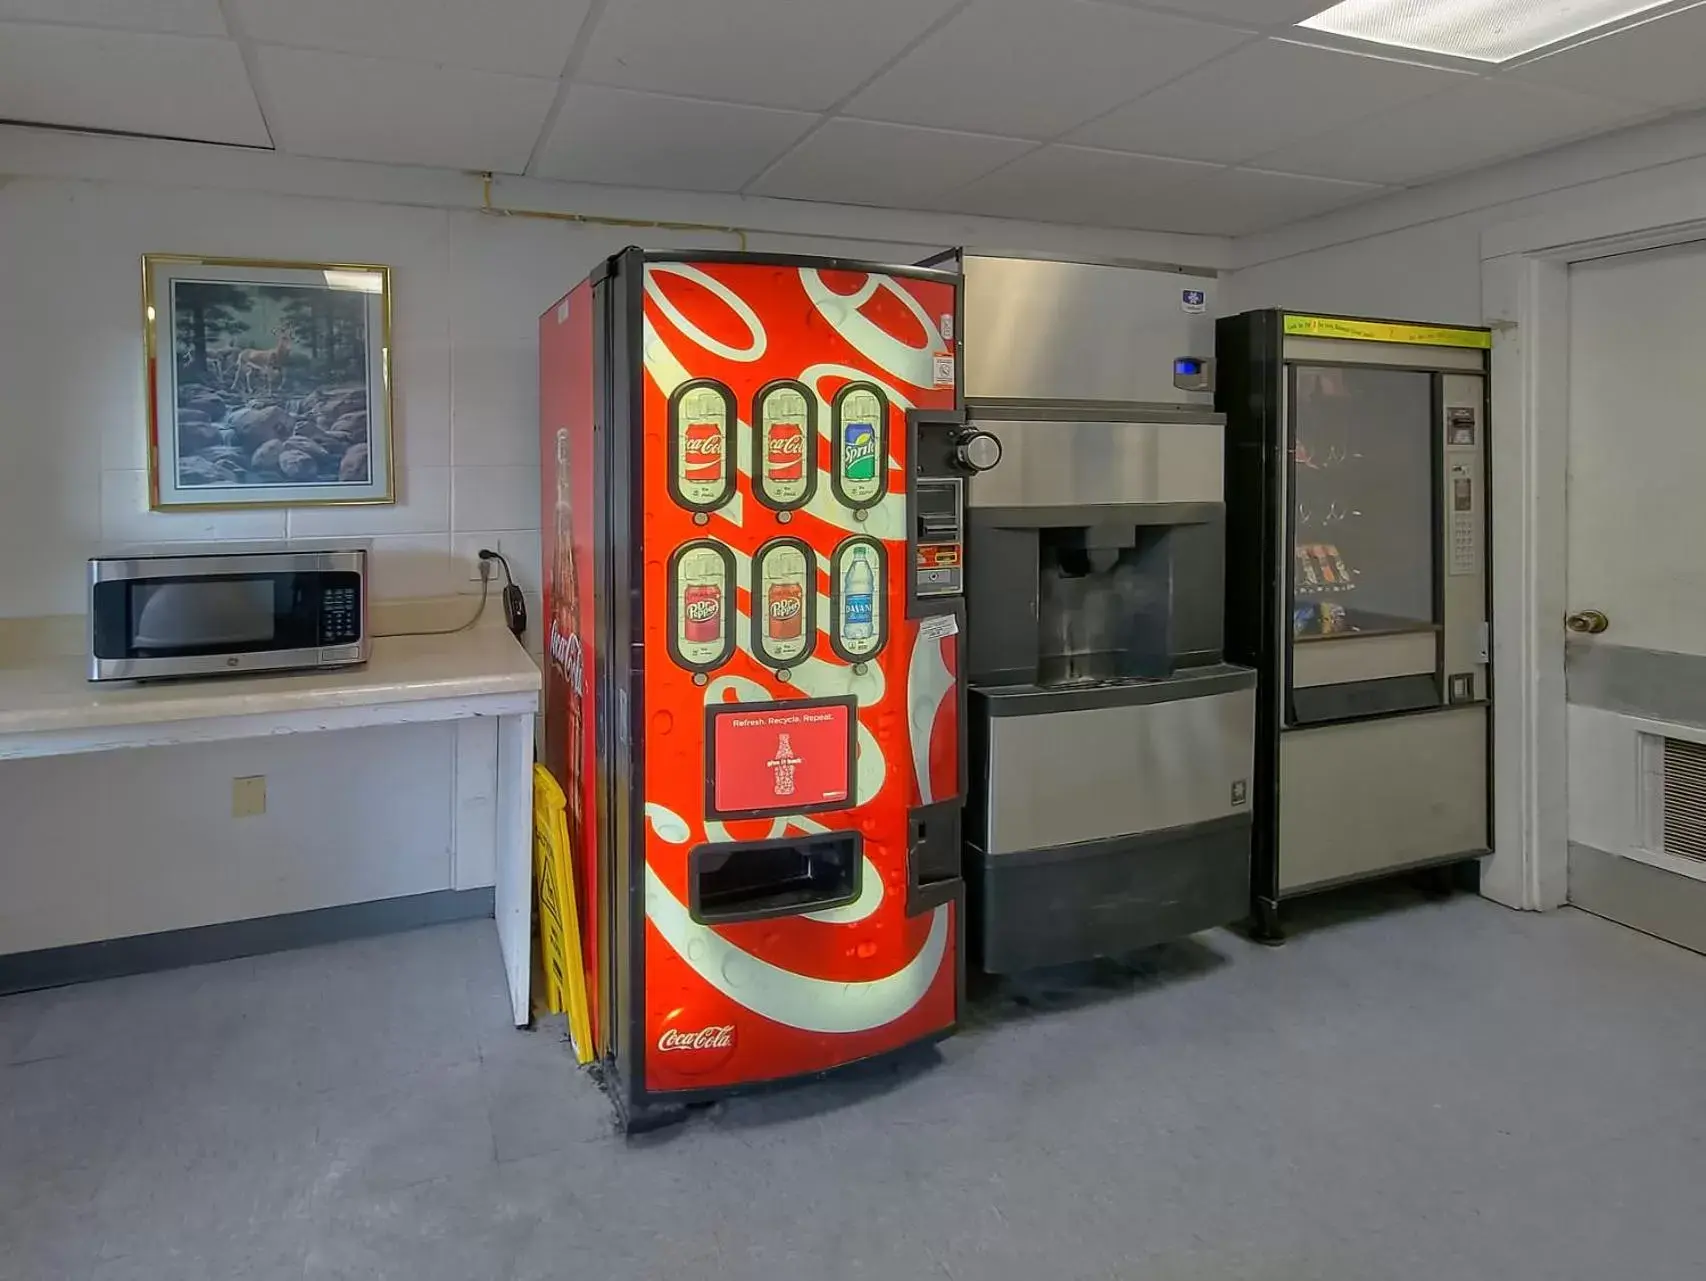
(268, 361)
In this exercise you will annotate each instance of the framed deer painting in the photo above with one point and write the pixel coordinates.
(269, 382)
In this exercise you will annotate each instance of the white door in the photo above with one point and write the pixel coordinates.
(1637, 568)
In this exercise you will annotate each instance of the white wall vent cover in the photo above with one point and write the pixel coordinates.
(1684, 830)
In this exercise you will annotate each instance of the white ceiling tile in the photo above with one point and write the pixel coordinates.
(1658, 62)
(1023, 69)
(774, 53)
(1237, 202)
(1261, 97)
(521, 37)
(168, 17)
(1460, 129)
(1076, 185)
(1245, 13)
(335, 104)
(639, 139)
(174, 86)
(859, 162)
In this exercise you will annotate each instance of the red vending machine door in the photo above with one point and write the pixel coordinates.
(793, 715)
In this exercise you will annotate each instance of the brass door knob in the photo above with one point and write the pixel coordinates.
(1587, 622)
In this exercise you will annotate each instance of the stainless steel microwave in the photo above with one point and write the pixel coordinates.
(226, 608)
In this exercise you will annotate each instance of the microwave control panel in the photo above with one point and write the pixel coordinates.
(340, 615)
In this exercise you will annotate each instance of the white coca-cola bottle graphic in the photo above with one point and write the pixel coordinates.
(564, 642)
(784, 763)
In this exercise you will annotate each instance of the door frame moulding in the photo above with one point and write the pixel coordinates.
(1525, 297)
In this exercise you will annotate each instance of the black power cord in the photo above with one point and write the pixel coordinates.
(515, 604)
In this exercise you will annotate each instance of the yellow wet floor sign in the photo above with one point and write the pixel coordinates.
(556, 912)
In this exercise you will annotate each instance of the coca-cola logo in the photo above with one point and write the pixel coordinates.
(791, 445)
(786, 607)
(703, 610)
(706, 1038)
(565, 649)
(708, 445)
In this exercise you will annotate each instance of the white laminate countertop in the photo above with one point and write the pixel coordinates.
(53, 696)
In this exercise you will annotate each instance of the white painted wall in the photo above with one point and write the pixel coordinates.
(123, 843)
(1417, 255)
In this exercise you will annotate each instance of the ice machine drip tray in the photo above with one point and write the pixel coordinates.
(785, 877)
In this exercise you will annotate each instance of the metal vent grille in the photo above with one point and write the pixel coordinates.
(1685, 799)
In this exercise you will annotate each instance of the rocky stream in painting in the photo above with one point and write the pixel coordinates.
(227, 437)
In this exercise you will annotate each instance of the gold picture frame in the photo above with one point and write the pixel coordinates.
(233, 424)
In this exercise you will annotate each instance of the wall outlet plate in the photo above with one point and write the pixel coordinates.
(493, 568)
(249, 796)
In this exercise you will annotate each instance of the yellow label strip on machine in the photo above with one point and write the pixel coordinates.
(1386, 331)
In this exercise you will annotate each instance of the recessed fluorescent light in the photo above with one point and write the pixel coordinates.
(1484, 30)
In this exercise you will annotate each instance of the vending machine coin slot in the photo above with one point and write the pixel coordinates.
(940, 538)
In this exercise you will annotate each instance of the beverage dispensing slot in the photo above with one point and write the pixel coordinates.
(761, 879)
(1105, 604)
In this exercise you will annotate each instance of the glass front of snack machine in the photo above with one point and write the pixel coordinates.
(1365, 608)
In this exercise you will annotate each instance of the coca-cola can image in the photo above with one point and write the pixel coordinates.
(785, 453)
(701, 616)
(785, 611)
(702, 454)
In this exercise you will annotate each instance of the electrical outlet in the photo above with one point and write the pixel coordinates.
(490, 566)
(249, 796)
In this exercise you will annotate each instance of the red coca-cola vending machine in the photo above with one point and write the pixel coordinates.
(754, 698)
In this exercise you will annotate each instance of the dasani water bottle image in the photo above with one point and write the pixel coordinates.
(858, 617)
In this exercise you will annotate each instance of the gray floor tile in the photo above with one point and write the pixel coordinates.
(1431, 1090)
(539, 1102)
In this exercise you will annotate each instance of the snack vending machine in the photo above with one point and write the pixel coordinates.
(1358, 587)
(754, 700)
